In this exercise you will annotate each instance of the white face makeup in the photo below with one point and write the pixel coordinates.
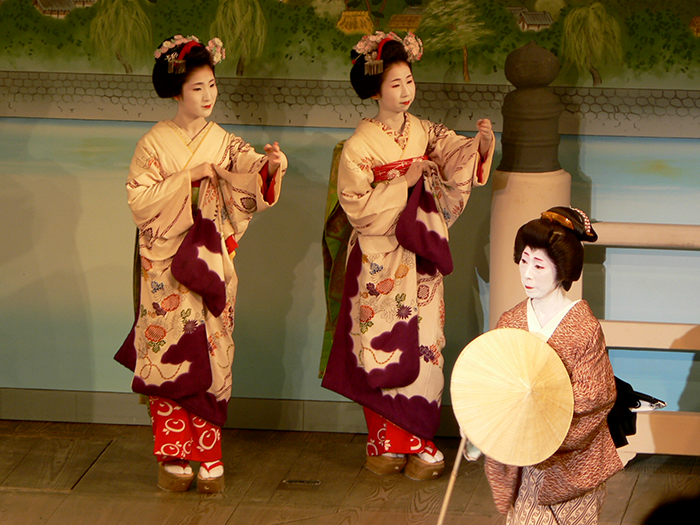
(398, 89)
(538, 273)
(199, 94)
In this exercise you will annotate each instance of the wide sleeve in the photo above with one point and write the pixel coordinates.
(160, 202)
(593, 383)
(587, 457)
(461, 167)
(459, 155)
(372, 210)
(504, 481)
(246, 184)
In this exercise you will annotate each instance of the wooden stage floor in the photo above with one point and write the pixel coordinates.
(74, 474)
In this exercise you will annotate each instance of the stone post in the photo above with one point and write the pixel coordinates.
(529, 179)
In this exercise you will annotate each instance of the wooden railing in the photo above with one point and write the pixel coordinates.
(660, 432)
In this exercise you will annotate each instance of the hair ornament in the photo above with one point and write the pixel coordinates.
(413, 46)
(555, 217)
(176, 61)
(579, 223)
(586, 221)
(371, 47)
(174, 42)
(216, 49)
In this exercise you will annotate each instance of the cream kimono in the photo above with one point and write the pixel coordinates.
(387, 348)
(181, 345)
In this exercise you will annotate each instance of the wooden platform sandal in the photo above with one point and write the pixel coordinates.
(383, 465)
(171, 481)
(421, 470)
(209, 485)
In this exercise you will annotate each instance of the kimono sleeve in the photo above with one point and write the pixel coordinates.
(248, 187)
(504, 481)
(461, 164)
(593, 383)
(160, 202)
(372, 210)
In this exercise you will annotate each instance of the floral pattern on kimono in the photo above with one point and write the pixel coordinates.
(387, 349)
(181, 346)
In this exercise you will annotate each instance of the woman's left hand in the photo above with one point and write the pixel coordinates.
(274, 157)
(485, 135)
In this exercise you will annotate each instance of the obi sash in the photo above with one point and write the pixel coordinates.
(394, 169)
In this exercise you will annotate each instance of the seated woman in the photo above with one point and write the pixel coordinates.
(569, 487)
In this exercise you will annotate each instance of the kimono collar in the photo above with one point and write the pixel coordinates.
(400, 138)
(546, 331)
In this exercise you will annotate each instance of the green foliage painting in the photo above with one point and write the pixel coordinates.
(643, 43)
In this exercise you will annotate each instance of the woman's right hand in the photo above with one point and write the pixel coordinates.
(203, 171)
(417, 169)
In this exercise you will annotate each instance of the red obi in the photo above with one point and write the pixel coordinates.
(394, 169)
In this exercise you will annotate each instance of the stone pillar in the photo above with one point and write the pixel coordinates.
(529, 179)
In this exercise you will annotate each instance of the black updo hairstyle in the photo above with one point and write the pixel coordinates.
(169, 85)
(367, 86)
(561, 240)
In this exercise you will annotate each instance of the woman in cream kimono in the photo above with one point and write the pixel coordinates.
(568, 487)
(192, 189)
(402, 182)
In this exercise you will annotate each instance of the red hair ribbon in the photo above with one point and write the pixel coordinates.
(381, 45)
(186, 49)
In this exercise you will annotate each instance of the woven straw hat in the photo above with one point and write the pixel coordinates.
(512, 396)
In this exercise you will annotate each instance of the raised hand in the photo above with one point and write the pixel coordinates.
(274, 157)
(417, 169)
(485, 135)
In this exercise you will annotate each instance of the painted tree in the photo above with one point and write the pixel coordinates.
(329, 8)
(121, 29)
(452, 25)
(242, 26)
(661, 42)
(591, 39)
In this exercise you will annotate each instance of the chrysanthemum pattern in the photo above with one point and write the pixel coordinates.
(166, 320)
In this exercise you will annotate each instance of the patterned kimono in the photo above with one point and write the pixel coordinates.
(569, 487)
(181, 346)
(387, 348)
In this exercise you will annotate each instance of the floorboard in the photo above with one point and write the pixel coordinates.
(80, 474)
(97, 509)
(620, 488)
(28, 507)
(55, 464)
(247, 514)
(652, 489)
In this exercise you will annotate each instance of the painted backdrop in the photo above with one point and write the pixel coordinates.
(631, 43)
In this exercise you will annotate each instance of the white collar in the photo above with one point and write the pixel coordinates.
(545, 332)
